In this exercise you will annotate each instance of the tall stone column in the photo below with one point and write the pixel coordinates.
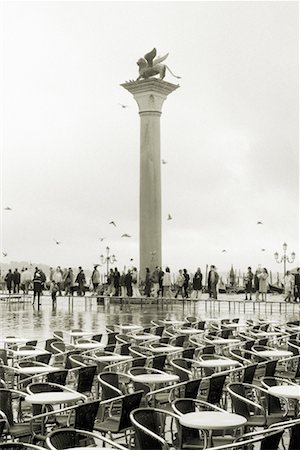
(150, 95)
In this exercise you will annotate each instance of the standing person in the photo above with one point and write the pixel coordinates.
(256, 283)
(26, 280)
(179, 284)
(54, 288)
(297, 286)
(57, 278)
(148, 283)
(248, 284)
(37, 286)
(16, 280)
(160, 281)
(288, 286)
(122, 284)
(9, 280)
(212, 282)
(197, 283)
(166, 284)
(80, 279)
(128, 283)
(95, 278)
(263, 284)
(51, 272)
(117, 276)
(110, 282)
(186, 283)
(69, 281)
(155, 281)
(135, 289)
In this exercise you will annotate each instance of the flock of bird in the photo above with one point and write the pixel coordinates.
(113, 223)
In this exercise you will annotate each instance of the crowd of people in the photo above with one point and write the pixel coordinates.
(158, 283)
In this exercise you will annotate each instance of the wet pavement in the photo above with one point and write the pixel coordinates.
(23, 319)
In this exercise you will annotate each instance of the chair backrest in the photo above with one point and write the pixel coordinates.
(215, 389)
(6, 405)
(43, 358)
(111, 338)
(239, 406)
(130, 402)
(58, 377)
(68, 362)
(248, 373)
(201, 325)
(85, 415)
(189, 352)
(124, 349)
(181, 369)
(208, 350)
(3, 356)
(158, 362)
(109, 382)
(97, 337)
(86, 378)
(48, 345)
(144, 420)
(58, 335)
(32, 343)
(58, 347)
(179, 340)
(191, 388)
(139, 362)
(64, 438)
(270, 368)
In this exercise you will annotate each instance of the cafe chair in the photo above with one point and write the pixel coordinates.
(190, 438)
(69, 437)
(255, 405)
(150, 426)
(14, 428)
(118, 421)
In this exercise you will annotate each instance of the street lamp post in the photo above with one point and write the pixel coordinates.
(108, 259)
(284, 258)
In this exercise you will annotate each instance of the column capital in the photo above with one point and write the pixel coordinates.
(150, 94)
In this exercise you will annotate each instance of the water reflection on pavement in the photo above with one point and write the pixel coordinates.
(22, 319)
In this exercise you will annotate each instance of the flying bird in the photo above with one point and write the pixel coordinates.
(263, 249)
(131, 259)
(125, 235)
(57, 242)
(7, 208)
(101, 239)
(4, 254)
(164, 161)
(223, 251)
(123, 106)
(259, 223)
(169, 217)
(112, 223)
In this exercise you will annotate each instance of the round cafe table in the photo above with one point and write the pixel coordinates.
(27, 353)
(145, 337)
(218, 363)
(274, 353)
(165, 349)
(113, 358)
(222, 341)
(155, 378)
(189, 331)
(52, 398)
(128, 328)
(36, 370)
(14, 340)
(211, 420)
(288, 391)
(89, 346)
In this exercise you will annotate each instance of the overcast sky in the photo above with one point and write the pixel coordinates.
(229, 134)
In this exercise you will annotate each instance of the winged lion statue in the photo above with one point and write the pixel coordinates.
(150, 65)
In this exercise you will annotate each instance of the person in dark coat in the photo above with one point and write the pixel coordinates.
(248, 284)
(80, 279)
(212, 282)
(16, 280)
(297, 285)
(9, 280)
(37, 286)
(186, 283)
(128, 283)
(117, 276)
(148, 282)
(197, 282)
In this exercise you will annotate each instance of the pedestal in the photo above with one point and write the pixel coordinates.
(150, 95)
